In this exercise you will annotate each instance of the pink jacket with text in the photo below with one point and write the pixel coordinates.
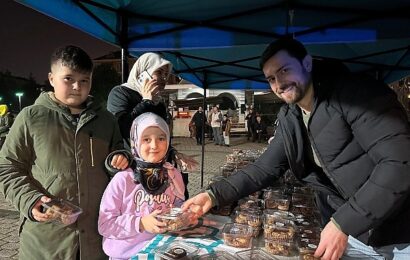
(124, 203)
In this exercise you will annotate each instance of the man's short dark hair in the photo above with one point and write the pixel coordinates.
(72, 57)
(293, 47)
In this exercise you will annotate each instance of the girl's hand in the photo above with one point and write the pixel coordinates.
(151, 224)
(119, 162)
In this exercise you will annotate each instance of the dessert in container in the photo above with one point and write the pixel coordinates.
(176, 250)
(307, 248)
(277, 203)
(280, 231)
(254, 253)
(280, 248)
(273, 216)
(237, 235)
(62, 211)
(256, 195)
(175, 219)
(250, 217)
(248, 203)
(218, 255)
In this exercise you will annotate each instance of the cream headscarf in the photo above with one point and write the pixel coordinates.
(148, 61)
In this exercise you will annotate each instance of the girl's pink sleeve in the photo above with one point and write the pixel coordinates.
(112, 223)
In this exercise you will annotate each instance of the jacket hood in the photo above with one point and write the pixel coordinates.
(49, 100)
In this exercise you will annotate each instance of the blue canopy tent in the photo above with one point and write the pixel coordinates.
(225, 38)
(216, 43)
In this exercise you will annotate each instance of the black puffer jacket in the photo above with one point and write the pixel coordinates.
(362, 139)
(126, 104)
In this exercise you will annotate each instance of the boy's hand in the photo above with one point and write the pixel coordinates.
(187, 163)
(151, 224)
(119, 161)
(36, 211)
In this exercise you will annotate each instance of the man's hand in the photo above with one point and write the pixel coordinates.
(36, 211)
(333, 243)
(119, 162)
(151, 224)
(199, 204)
(187, 163)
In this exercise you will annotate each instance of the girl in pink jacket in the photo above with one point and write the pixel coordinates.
(134, 197)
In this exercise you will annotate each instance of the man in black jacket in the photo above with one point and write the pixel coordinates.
(346, 137)
(198, 120)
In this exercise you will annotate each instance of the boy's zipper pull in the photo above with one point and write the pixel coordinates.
(91, 149)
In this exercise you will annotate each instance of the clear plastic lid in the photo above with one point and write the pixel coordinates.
(281, 248)
(176, 219)
(218, 255)
(176, 250)
(237, 235)
(256, 253)
(62, 211)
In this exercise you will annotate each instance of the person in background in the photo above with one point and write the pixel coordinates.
(142, 93)
(56, 150)
(347, 137)
(6, 121)
(226, 129)
(198, 120)
(134, 197)
(216, 119)
(250, 123)
(260, 130)
(208, 124)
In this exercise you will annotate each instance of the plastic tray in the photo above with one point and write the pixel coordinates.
(62, 211)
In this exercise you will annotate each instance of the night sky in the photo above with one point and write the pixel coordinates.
(28, 37)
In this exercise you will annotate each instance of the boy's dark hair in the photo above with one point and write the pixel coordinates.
(72, 57)
(293, 47)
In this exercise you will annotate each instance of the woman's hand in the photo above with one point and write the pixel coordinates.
(150, 89)
(187, 163)
(151, 224)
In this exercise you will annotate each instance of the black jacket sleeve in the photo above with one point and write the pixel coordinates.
(379, 125)
(264, 172)
(126, 104)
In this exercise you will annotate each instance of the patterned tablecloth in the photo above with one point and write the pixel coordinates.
(206, 236)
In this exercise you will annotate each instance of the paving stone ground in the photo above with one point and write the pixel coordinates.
(214, 157)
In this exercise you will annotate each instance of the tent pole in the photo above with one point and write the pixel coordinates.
(124, 65)
(124, 46)
(205, 83)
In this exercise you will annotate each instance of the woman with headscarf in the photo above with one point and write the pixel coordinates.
(134, 197)
(140, 94)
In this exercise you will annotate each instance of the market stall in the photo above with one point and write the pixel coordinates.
(280, 222)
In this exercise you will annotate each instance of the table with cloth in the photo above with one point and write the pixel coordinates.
(207, 236)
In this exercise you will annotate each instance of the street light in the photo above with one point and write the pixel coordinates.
(19, 95)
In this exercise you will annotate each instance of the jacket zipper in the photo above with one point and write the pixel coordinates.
(91, 149)
(323, 165)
